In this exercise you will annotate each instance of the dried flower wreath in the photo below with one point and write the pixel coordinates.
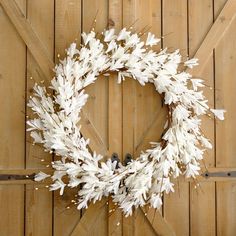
(145, 179)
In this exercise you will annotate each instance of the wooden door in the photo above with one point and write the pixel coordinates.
(117, 118)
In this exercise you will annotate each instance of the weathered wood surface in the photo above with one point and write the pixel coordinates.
(118, 118)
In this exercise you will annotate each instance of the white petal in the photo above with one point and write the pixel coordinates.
(41, 176)
(36, 136)
(219, 113)
(191, 63)
(151, 40)
(109, 35)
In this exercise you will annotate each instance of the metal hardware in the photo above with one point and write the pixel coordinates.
(128, 159)
(114, 157)
(228, 174)
(4, 177)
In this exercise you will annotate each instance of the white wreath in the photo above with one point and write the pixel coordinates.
(145, 179)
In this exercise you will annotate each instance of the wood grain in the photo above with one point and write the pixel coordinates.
(12, 123)
(97, 106)
(38, 204)
(128, 114)
(40, 54)
(212, 38)
(115, 121)
(225, 152)
(176, 207)
(88, 221)
(202, 199)
(216, 33)
(67, 28)
(117, 118)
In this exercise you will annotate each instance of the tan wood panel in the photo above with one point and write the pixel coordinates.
(95, 15)
(42, 22)
(46, 64)
(225, 191)
(38, 210)
(88, 223)
(38, 204)
(218, 6)
(129, 111)
(216, 33)
(202, 198)
(212, 38)
(148, 105)
(226, 208)
(115, 119)
(225, 141)
(176, 207)
(12, 70)
(97, 105)
(225, 89)
(137, 115)
(17, 17)
(202, 194)
(67, 29)
(12, 123)
(12, 210)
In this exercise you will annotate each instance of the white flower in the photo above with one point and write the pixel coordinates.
(121, 76)
(109, 35)
(90, 78)
(35, 124)
(112, 45)
(164, 167)
(197, 83)
(88, 37)
(132, 40)
(167, 185)
(58, 184)
(156, 201)
(123, 34)
(36, 136)
(191, 170)
(41, 176)
(219, 113)
(205, 142)
(71, 51)
(191, 63)
(151, 40)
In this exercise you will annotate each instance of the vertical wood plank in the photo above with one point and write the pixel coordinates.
(141, 105)
(38, 206)
(225, 131)
(38, 203)
(226, 208)
(218, 6)
(97, 105)
(176, 207)
(12, 210)
(42, 22)
(12, 70)
(174, 22)
(12, 122)
(202, 198)
(115, 119)
(128, 106)
(225, 87)
(67, 29)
